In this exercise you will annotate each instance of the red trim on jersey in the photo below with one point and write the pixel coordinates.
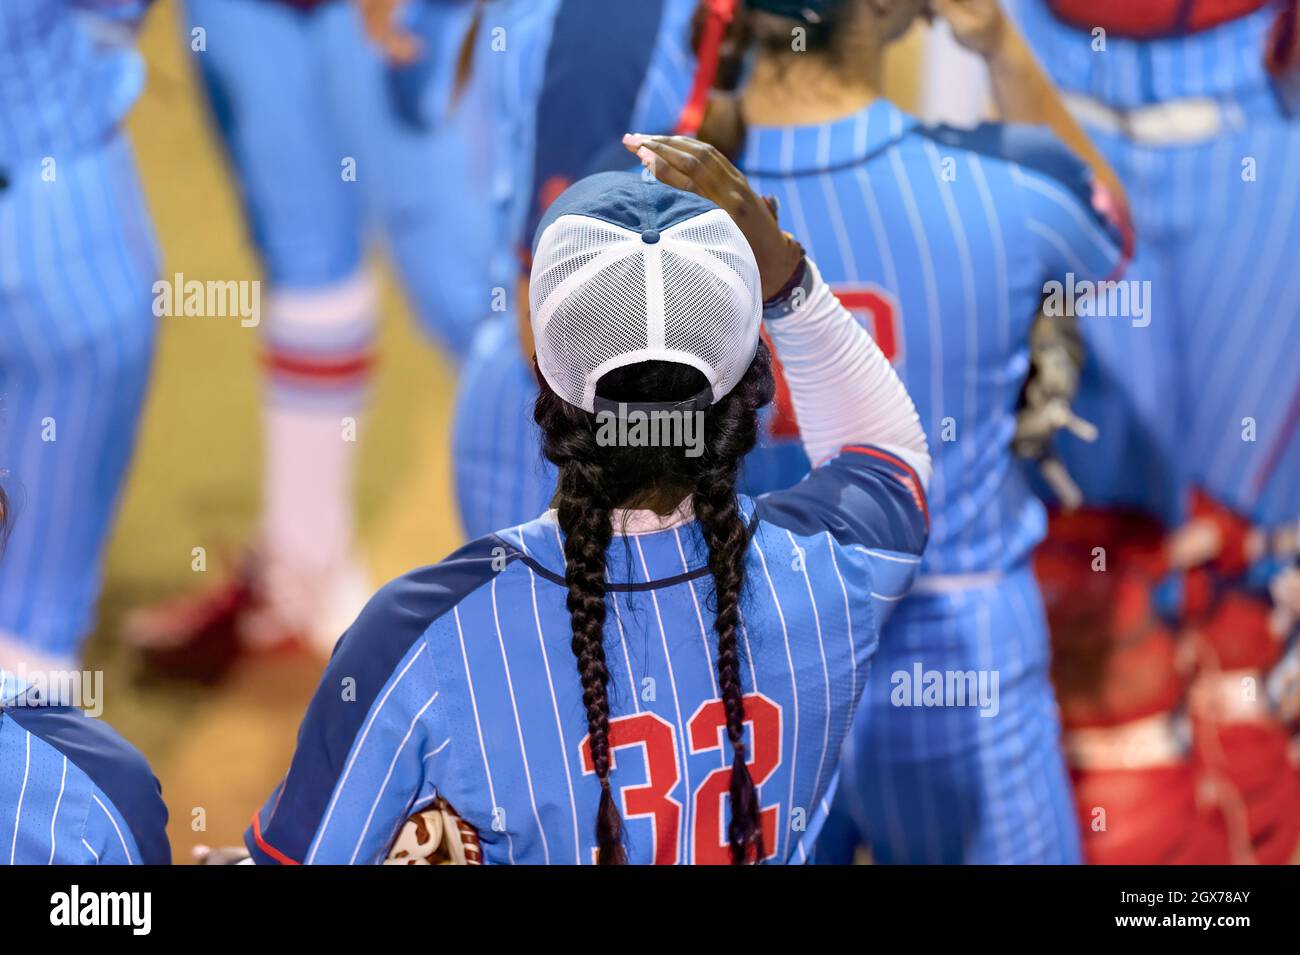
(719, 18)
(912, 482)
(266, 847)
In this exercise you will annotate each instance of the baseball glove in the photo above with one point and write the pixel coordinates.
(436, 836)
(1056, 355)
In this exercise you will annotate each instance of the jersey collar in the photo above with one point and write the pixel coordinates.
(795, 150)
(542, 549)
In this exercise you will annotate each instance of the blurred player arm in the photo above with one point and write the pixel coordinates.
(1022, 91)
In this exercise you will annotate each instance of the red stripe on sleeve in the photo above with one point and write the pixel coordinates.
(266, 847)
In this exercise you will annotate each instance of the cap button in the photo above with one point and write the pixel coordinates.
(650, 236)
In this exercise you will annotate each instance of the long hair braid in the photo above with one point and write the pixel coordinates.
(583, 510)
(727, 538)
(595, 479)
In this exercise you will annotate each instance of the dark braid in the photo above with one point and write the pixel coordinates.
(584, 513)
(727, 539)
(595, 479)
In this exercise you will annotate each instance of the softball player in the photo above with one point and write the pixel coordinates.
(72, 791)
(582, 75)
(1195, 105)
(721, 642)
(76, 318)
(332, 145)
(942, 241)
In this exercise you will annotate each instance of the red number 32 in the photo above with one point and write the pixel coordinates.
(653, 800)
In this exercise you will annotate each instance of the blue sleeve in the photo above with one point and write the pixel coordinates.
(1074, 223)
(863, 496)
(126, 819)
(359, 763)
(106, 837)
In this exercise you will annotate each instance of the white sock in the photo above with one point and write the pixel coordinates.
(319, 351)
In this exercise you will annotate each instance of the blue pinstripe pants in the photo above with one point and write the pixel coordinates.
(76, 340)
(925, 779)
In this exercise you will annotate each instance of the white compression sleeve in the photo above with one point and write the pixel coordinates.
(843, 388)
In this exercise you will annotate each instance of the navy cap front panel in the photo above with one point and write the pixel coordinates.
(625, 199)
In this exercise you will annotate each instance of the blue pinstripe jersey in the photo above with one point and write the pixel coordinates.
(458, 680)
(579, 78)
(73, 792)
(68, 74)
(1226, 60)
(942, 241)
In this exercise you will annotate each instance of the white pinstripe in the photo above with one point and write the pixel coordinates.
(938, 489)
(388, 776)
(478, 728)
(699, 618)
(1076, 264)
(555, 704)
(519, 729)
(1033, 818)
(1000, 818)
(677, 708)
(794, 686)
(821, 645)
(356, 751)
(18, 813)
(848, 626)
(970, 407)
(1088, 225)
(441, 746)
(1002, 285)
(120, 837)
(54, 817)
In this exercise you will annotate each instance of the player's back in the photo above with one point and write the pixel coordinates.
(810, 628)
(72, 792)
(459, 680)
(942, 240)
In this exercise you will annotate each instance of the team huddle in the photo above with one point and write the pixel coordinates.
(837, 486)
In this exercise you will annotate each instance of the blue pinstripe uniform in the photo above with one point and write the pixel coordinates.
(942, 241)
(294, 93)
(458, 681)
(77, 263)
(73, 792)
(580, 79)
(1217, 227)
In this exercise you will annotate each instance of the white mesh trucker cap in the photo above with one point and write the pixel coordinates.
(625, 270)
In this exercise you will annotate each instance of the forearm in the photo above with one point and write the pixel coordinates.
(843, 389)
(1023, 93)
